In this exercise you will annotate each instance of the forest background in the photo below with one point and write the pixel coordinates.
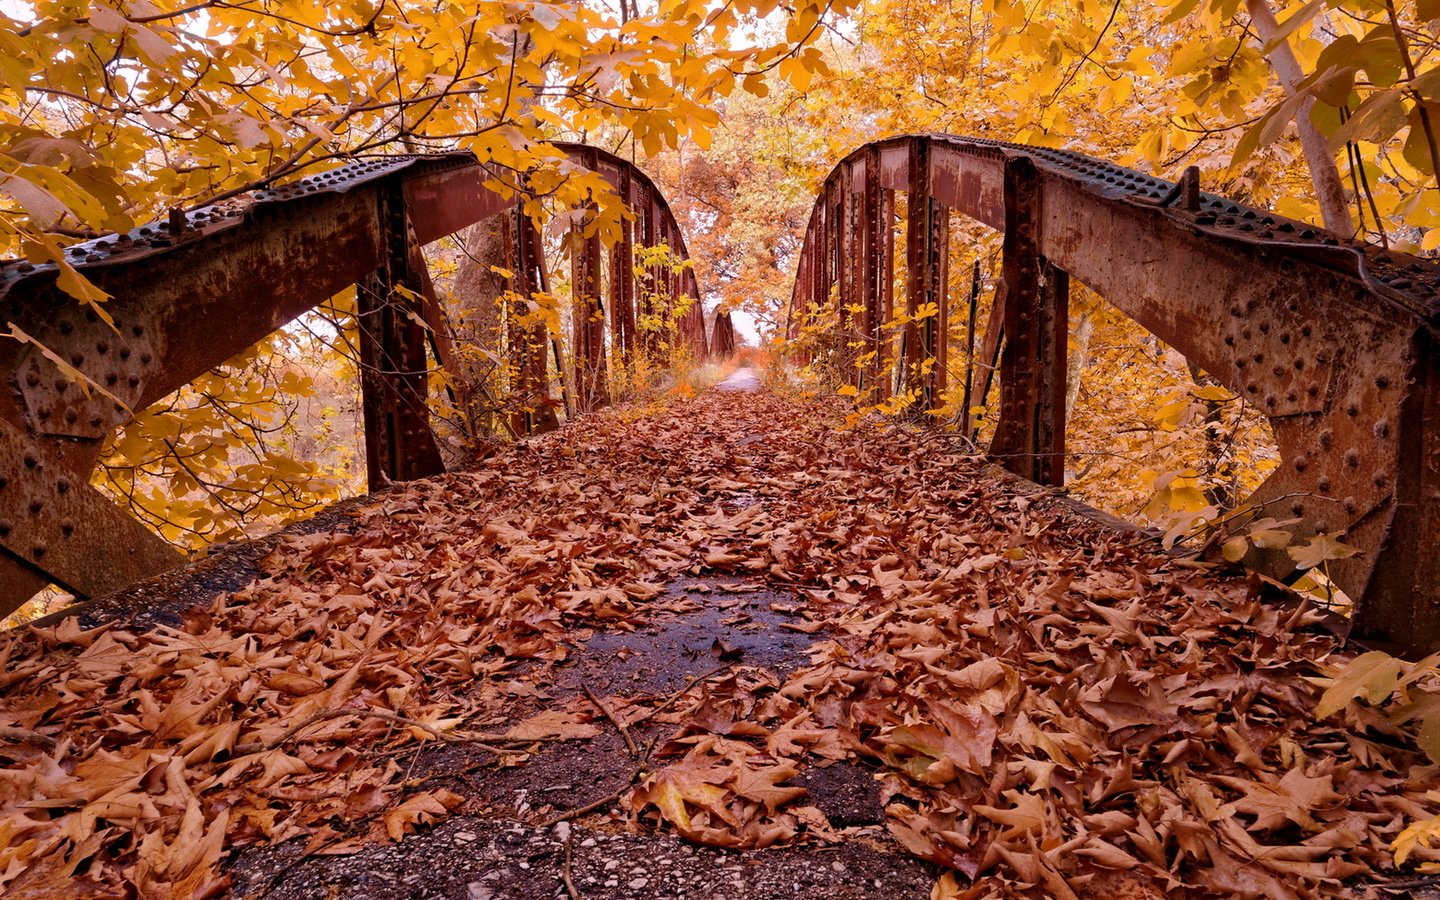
(114, 112)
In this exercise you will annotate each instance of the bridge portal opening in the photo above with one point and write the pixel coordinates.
(1195, 450)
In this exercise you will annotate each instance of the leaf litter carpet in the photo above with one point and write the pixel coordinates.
(718, 647)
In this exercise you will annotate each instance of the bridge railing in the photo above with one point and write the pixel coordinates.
(1334, 341)
(191, 292)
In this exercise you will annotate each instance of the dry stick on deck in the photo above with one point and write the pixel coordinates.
(674, 698)
(567, 872)
(26, 736)
(614, 720)
(616, 794)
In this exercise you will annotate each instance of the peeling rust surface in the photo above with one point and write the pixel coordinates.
(194, 289)
(1332, 339)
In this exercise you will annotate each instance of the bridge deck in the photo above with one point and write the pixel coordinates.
(953, 667)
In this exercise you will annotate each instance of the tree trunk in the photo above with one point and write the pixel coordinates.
(1324, 174)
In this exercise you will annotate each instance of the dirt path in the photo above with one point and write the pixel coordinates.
(848, 663)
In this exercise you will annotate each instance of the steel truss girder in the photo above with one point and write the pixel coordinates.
(1333, 340)
(194, 290)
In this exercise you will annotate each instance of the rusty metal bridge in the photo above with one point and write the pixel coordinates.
(1333, 340)
(195, 290)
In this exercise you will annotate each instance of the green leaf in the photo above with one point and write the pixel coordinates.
(1372, 675)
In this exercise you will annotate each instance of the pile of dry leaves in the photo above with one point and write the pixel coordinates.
(1053, 707)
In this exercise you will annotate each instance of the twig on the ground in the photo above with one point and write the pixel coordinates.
(567, 872)
(26, 736)
(675, 697)
(614, 720)
(1409, 883)
(567, 815)
(577, 812)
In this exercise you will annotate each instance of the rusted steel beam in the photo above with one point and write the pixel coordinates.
(191, 292)
(849, 261)
(872, 234)
(887, 289)
(55, 527)
(926, 289)
(1030, 431)
(587, 317)
(722, 343)
(1332, 339)
(967, 399)
(988, 362)
(528, 337)
(394, 372)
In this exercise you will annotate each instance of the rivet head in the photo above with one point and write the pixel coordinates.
(1380, 478)
(1301, 462)
(62, 485)
(35, 507)
(1324, 484)
(1349, 504)
(38, 551)
(1326, 437)
(1352, 457)
(1382, 429)
(1382, 382)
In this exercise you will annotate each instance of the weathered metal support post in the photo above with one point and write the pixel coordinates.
(587, 319)
(967, 400)
(650, 291)
(1030, 433)
(887, 291)
(529, 338)
(872, 234)
(399, 445)
(925, 250)
(850, 263)
(622, 285)
(1401, 603)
